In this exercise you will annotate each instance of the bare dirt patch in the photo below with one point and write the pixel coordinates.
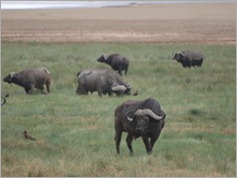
(180, 23)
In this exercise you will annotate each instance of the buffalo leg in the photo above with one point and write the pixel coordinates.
(147, 144)
(152, 142)
(118, 137)
(129, 143)
(126, 71)
(48, 86)
(120, 71)
(28, 90)
(155, 137)
(99, 90)
(31, 89)
(42, 90)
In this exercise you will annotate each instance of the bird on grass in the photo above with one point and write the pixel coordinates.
(28, 136)
(7, 95)
(136, 93)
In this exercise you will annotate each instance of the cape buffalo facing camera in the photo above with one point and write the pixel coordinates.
(30, 79)
(139, 119)
(116, 61)
(189, 58)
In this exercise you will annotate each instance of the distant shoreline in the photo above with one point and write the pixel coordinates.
(18, 5)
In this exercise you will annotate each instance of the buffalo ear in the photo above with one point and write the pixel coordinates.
(78, 74)
(182, 54)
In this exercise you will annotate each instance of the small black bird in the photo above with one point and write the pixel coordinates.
(136, 93)
(28, 136)
(7, 95)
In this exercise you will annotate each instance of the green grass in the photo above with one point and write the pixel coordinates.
(75, 134)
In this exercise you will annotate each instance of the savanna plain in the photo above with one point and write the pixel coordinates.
(75, 134)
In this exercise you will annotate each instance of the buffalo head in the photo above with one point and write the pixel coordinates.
(121, 90)
(9, 78)
(178, 56)
(102, 58)
(142, 118)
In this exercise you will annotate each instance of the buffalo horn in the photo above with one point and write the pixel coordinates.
(173, 53)
(182, 53)
(130, 119)
(12, 74)
(142, 112)
(119, 88)
(129, 85)
(105, 56)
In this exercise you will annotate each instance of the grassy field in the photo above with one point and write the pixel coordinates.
(75, 134)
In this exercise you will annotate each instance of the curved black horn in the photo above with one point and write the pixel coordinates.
(3, 101)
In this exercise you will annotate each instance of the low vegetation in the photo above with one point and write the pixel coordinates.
(75, 134)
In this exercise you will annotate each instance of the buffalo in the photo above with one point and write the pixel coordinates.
(104, 81)
(30, 79)
(139, 119)
(189, 58)
(116, 61)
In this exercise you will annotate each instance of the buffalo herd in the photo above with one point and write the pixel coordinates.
(143, 118)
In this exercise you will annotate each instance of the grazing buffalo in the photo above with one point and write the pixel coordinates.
(104, 81)
(139, 118)
(116, 61)
(30, 79)
(189, 58)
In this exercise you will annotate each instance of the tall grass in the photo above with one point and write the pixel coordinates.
(75, 134)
